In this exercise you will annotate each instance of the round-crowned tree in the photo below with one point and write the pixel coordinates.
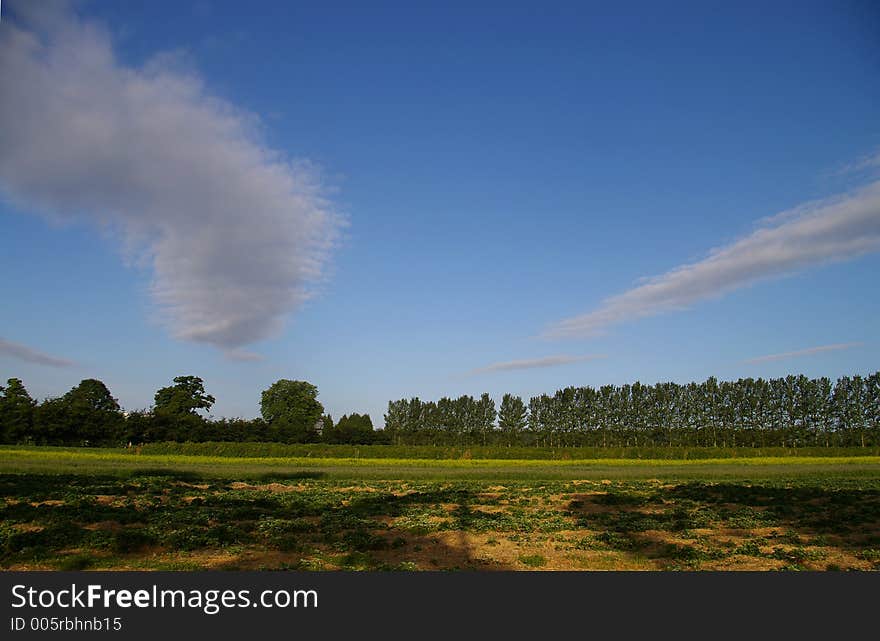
(93, 416)
(292, 410)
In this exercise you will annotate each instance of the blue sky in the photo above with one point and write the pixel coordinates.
(491, 193)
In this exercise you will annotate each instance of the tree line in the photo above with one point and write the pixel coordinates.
(794, 411)
(89, 415)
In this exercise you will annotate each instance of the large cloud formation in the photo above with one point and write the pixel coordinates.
(235, 233)
(836, 229)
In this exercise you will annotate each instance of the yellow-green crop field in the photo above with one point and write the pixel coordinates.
(83, 460)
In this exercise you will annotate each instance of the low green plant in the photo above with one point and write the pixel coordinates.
(533, 560)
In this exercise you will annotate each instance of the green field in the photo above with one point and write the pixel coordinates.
(75, 508)
(125, 462)
(323, 450)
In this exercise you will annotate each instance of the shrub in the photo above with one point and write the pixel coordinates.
(533, 560)
(76, 562)
(132, 540)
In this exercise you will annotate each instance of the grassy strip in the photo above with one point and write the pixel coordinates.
(92, 461)
(427, 452)
(494, 452)
(84, 454)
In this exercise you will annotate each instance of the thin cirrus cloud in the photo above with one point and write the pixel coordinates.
(534, 363)
(28, 355)
(236, 234)
(835, 229)
(802, 352)
(867, 163)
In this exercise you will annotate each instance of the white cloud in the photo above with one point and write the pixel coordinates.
(533, 363)
(24, 353)
(803, 352)
(235, 233)
(836, 229)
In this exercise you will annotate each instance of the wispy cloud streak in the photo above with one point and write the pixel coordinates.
(837, 229)
(803, 352)
(28, 355)
(867, 163)
(534, 363)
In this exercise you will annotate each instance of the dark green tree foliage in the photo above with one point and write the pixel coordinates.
(484, 419)
(139, 427)
(354, 429)
(292, 410)
(512, 418)
(86, 415)
(92, 395)
(147, 427)
(175, 412)
(795, 411)
(92, 415)
(184, 397)
(52, 424)
(396, 420)
(16, 413)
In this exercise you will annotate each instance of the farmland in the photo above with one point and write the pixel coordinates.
(66, 508)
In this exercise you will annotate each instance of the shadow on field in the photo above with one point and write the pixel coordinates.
(697, 522)
(75, 522)
(385, 530)
(162, 519)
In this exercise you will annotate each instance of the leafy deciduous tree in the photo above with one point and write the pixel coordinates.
(16, 412)
(292, 410)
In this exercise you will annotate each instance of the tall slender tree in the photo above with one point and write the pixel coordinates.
(512, 418)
